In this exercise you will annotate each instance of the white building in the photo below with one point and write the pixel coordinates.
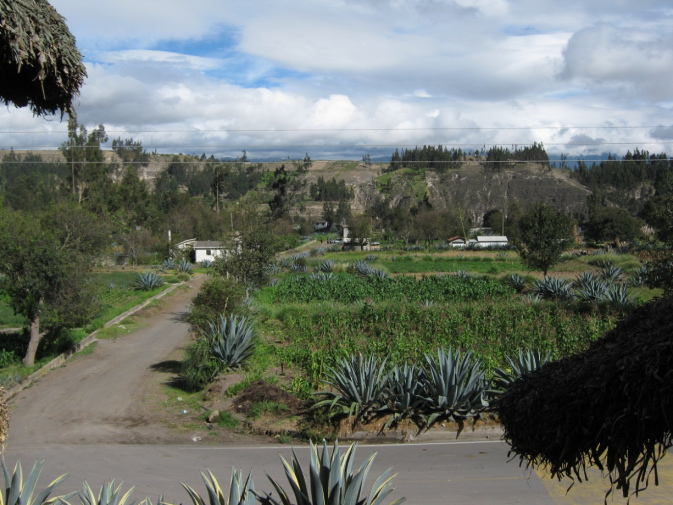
(202, 249)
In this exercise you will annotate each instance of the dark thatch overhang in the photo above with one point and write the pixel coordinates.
(40, 65)
(610, 406)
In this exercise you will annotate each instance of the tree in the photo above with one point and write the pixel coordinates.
(40, 64)
(250, 248)
(82, 151)
(44, 260)
(612, 223)
(545, 234)
(360, 230)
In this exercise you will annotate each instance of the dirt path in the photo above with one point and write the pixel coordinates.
(107, 396)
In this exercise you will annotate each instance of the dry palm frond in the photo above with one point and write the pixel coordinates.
(610, 406)
(40, 65)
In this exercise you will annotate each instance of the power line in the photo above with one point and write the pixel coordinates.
(341, 146)
(311, 130)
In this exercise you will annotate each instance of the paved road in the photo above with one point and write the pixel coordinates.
(84, 419)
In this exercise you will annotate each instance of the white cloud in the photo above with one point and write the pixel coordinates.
(377, 72)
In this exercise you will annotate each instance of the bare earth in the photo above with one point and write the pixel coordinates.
(113, 395)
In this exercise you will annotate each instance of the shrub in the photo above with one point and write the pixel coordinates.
(218, 295)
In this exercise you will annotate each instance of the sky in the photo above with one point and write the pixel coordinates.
(339, 79)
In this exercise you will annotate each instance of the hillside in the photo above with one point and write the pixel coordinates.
(473, 188)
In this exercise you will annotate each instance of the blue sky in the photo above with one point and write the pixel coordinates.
(342, 78)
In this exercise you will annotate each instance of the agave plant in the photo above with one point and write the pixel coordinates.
(360, 386)
(184, 266)
(589, 288)
(331, 479)
(378, 273)
(524, 363)
(454, 386)
(322, 276)
(240, 493)
(298, 268)
(168, 264)
(611, 273)
(517, 282)
(554, 288)
(148, 280)
(231, 341)
(360, 267)
(370, 257)
(326, 266)
(18, 492)
(272, 268)
(619, 295)
(403, 393)
(284, 263)
(108, 495)
(639, 276)
(206, 263)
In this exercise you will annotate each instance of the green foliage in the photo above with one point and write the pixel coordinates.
(331, 480)
(525, 362)
(240, 492)
(231, 341)
(545, 234)
(18, 492)
(218, 295)
(612, 223)
(360, 386)
(455, 387)
(198, 368)
(148, 280)
(348, 289)
(108, 495)
(184, 266)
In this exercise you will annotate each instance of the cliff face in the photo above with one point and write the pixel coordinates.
(477, 191)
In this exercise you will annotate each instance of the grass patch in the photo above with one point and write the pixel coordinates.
(225, 420)
(267, 407)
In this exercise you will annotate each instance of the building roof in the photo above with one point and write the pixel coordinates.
(491, 238)
(208, 244)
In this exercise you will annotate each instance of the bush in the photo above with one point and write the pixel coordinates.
(218, 295)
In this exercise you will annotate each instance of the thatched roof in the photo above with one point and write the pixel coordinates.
(40, 65)
(611, 406)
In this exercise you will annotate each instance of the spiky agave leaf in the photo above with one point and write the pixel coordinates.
(108, 495)
(455, 386)
(148, 280)
(403, 393)
(360, 386)
(554, 288)
(18, 492)
(524, 363)
(240, 493)
(184, 266)
(231, 340)
(332, 481)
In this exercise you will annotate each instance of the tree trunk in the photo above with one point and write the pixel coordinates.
(35, 337)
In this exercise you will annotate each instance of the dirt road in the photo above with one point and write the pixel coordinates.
(105, 396)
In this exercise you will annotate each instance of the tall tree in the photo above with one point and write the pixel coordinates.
(44, 260)
(84, 154)
(545, 233)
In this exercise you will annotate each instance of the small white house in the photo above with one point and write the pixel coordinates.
(202, 249)
(321, 226)
(492, 241)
